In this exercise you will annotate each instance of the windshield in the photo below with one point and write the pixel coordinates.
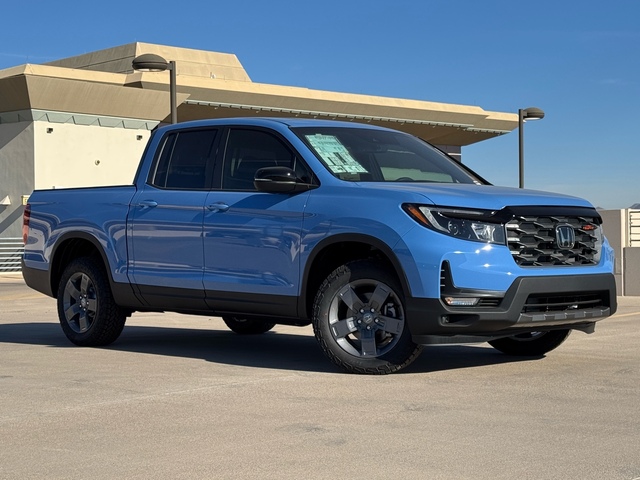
(370, 155)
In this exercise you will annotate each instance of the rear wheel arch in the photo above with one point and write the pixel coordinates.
(339, 250)
(72, 246)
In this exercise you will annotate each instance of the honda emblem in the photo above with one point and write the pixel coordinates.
(565, 236)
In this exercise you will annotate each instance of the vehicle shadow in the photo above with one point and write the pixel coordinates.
(272, 350)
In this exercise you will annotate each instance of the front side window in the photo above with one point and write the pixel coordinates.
(249, 150)
(185, 161)
(370, 155)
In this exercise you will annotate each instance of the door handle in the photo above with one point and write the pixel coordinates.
(218, 207)
(148, 204)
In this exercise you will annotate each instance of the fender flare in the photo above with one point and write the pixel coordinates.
(353, 238)
(122, 292)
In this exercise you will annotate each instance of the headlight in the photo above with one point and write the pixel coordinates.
(458, 223)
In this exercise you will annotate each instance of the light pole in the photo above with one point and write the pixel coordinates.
(150, 62)
(524, 114)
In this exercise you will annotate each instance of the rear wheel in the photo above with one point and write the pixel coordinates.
(531, 344)
(87, 311)
(359, 320)
(247, 326)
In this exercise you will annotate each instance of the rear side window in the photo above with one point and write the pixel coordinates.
(185, 161)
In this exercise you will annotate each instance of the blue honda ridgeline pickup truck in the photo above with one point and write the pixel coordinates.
(379, 240)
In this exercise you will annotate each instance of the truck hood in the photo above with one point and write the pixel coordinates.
(487, 197)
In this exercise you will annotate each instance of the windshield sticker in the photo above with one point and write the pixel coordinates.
(335, 154)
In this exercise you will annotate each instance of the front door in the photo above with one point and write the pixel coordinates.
(252, 239)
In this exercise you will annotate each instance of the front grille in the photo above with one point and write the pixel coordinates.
(532, 240)
(560, 302)
(489, 302)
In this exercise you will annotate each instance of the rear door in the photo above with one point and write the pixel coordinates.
(166, 250)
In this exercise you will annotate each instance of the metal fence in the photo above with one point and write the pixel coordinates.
(11, 251)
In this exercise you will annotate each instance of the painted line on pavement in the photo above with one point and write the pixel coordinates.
(626, 315)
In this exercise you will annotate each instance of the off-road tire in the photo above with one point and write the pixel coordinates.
(355, 296)
(87, 311)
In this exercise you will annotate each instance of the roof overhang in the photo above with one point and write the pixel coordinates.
(212, 85)
(38, 87)
(436, 122)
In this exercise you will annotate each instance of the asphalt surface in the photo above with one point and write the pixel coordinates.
(182, 397)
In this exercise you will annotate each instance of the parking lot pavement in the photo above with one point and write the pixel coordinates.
(182, 397)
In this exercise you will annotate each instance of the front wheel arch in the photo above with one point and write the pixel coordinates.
(338, 250)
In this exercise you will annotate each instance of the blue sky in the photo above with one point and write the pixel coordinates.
(579, 61)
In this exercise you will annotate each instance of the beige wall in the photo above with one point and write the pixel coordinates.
(16, 174)
(68, 155)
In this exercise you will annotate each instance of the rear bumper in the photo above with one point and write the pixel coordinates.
(37, 279)
(514, 312)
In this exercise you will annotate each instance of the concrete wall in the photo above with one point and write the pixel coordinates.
(615, 230)
(632, 271)
(41, 155)
(16, 174)
(68, 155)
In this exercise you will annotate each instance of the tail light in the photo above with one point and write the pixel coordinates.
(26, 216)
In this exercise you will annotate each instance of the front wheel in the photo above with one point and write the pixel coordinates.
(531, 344)
(88, 313)
(359, 320)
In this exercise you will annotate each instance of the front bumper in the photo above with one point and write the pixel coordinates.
(521, 309)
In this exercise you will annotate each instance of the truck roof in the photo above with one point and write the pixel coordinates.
(271, 122)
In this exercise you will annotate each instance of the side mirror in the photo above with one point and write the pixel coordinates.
(279, 180)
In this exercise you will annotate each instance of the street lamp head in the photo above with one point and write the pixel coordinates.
(532, 113)
(150, 62)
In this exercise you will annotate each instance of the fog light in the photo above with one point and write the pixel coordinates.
(461, 301)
